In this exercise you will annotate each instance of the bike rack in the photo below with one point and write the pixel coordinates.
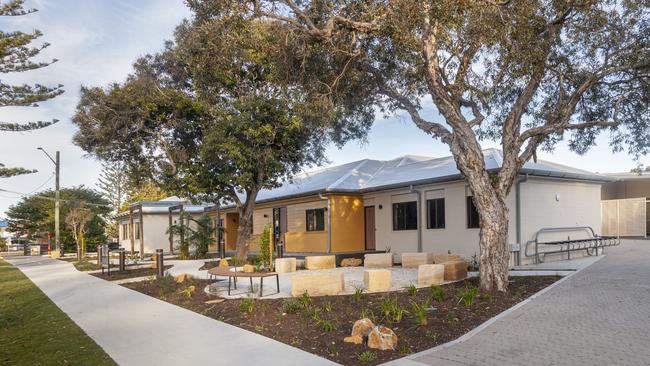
(590, 245)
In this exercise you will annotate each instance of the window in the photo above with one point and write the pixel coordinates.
(137, 230)
(316, 219)
(125, 231)
(405, 216)
(473, 221)
(436, 213)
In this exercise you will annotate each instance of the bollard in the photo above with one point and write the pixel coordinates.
(159, 263)
(122, 259)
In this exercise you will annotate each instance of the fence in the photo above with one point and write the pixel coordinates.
(625, 217)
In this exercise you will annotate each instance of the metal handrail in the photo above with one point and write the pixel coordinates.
(590, 244)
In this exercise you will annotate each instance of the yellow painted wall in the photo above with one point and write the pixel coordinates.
(306, 241)
(348, 229)
(231, 223)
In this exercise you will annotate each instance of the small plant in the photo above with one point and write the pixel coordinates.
(327, 307)
(391, 309)
(437, 293)
(412, 290)
(326, 325)
(259, 328)
(305, 300)
(313, 313)
(473, 263)
(431, 335)
(358, 293)
(420, 312)
(291, 306)
(404, 349)
(332, 349)
(188, 291)
(451, 317)
(247, 305)
(367, 313)
(366, 357)
(468, 296)
(166, 284)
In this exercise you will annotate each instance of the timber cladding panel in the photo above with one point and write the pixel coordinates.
(259, 221)
(296, 215)
(348, 230)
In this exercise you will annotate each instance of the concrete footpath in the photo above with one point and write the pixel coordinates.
(135, 329)
(598, 316)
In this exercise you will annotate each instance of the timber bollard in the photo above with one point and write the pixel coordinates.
(160, 270)
(122, 264)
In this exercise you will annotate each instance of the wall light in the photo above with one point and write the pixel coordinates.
(380, 207)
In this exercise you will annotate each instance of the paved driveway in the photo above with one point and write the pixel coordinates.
(135, 329)
(599, 316)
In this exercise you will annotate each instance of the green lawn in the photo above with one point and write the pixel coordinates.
(34, 331)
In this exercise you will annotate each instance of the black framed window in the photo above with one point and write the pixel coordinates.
(436, 213)
(473, 221)
(405, 216)
(125, 231)
(316, 219)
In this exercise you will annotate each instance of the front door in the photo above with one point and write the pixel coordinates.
(279, 229)
(370, 227)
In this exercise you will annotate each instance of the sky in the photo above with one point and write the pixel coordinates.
(96, 42)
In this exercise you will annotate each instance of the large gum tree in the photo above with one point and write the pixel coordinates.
(524, 73)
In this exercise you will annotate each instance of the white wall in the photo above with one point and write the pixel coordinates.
(155, 233)
(579, 205)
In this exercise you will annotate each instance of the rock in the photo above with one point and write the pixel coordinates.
(413, 260)
(356, 339)
(182, 277)
(321, 284)
(249, 268)
(431, 274)
(440, 258)
(320, 261)
(223, 263)
(382, 338)
(455, 270)
(215, 301)
(351, 262)
(362, 327)
(285, 265)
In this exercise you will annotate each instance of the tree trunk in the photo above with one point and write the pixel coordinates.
(493, 244)
(245, 228)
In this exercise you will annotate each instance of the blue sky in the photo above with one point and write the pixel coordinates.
(96, 42)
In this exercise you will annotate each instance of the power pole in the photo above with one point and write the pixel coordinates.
(57, 232)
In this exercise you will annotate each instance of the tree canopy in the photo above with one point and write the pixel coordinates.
(16, 56)
(213, 116)
(33, 216)
(524, 73)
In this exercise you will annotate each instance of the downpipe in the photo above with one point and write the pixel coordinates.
(419, 217)
(329, 221)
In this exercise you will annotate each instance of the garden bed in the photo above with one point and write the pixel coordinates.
(319, 324)
(128, 273)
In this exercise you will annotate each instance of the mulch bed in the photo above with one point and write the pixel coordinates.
(128, 273)
(304, 322)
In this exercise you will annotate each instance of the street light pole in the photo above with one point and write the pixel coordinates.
(57, 169)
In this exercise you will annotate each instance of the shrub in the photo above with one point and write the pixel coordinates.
(305, 300)
(366, 357)
(247, 305)
(166, 284)
(326, 325)
(437, 293)
(358, 293)
(412, 290)
(291, 306)
(420, 312)
(392, 310)
(327, 307)
(313, 313)
(264, 257)
(188, 291)
(468, 296)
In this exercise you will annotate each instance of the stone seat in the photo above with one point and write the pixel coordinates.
(285, 265)
(413, 260)
(320, 261)
(319, 284)
(455, 270)
(431, 274)
(377, 280)
(378, 260)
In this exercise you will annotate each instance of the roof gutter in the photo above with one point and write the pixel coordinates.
(329, 221)
(419, 216)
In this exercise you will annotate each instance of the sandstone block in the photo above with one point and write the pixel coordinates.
(380, 260)
(413, 260)
(182, 277)
(455, 270)
(377, 280)
(362, 327)
(351, 262)
(382, 338)
(320, 261)
(249, 268)
(320, 284)
(431, 274)
(285, 265)
(439, 258)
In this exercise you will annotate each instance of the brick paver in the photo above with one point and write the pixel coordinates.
(599, 316)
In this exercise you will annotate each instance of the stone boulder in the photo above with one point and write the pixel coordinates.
(431, 274)
(351, 262)
(377, 280)
(362, 327)
(320, 261)
(382, 338)
(413, 260)
(321, 284)
(440, 258)
(183, 277)
(455, 270)
(378, 260)
(353, 339)
(285, 265)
